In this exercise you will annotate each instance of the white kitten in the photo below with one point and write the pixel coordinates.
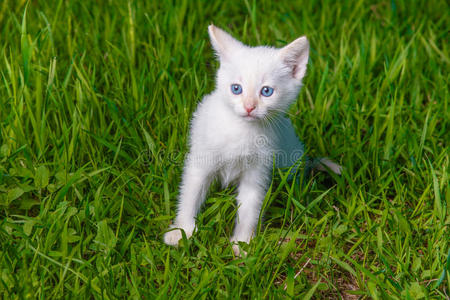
(240, 128)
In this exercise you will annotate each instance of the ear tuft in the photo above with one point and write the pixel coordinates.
(222, 42)
(296, 55)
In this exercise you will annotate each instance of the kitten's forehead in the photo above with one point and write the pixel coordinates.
(255, 63)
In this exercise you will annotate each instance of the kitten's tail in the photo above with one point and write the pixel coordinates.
(322, 164)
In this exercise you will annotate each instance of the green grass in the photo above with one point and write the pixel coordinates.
(95, 103)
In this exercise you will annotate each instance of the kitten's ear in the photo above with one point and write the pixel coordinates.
(222, 42)
(295, 55)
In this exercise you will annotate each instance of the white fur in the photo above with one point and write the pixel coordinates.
(228, 143)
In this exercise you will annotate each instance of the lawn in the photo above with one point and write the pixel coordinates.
(95, 103)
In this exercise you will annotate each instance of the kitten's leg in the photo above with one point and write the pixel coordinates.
(195, 184)
(251, 192)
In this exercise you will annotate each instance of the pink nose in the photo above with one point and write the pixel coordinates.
(249, 108)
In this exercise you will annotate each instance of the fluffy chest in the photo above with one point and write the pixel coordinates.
(239, 140)
(237, 149)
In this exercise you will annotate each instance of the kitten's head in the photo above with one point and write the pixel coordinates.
(258, 82)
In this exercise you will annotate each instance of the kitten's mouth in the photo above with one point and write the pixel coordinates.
(249, 117)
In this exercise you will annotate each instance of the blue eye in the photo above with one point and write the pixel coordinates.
(267, 91)
(236, 89)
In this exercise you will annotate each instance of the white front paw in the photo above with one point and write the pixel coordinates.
(174, 236)
(237, 250)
